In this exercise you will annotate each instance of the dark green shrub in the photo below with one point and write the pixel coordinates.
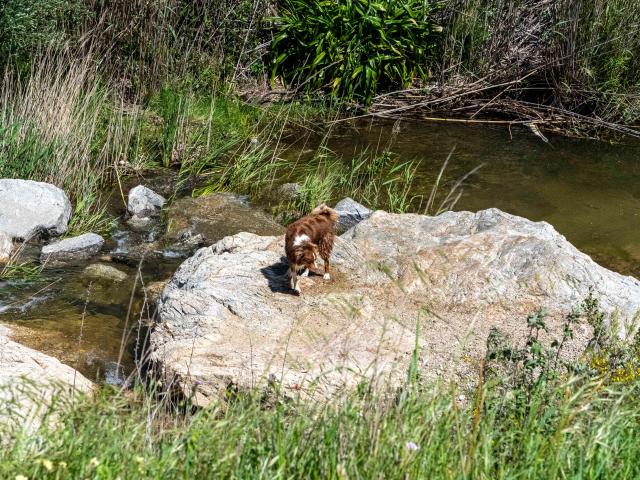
(353, 48)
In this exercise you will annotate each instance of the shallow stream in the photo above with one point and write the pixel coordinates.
(589, 191)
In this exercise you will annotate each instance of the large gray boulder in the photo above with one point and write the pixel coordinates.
(228, 319)
(30, 381)
(29, 208)
(72, 249)
(144, 202)
(350, 213)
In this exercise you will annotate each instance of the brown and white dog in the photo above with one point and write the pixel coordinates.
(308, 237)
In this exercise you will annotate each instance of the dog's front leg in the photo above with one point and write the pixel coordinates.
(295, 281)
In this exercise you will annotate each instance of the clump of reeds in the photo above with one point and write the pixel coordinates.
(60, 125)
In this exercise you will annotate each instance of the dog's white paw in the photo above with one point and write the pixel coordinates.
(305, 273)
(327, 276)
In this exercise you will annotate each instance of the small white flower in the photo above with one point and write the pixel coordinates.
(413, 446)
(94, 462)
(48, 465)
(21, 477)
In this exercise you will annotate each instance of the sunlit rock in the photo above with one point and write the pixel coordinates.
(227, 319)
(29, 208)
(72, 249)
(144, 202)
(30, 382)
(350, 213)
(6, 247)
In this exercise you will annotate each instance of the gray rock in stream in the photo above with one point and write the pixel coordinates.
(350, 213)
(29, 208)
(72, 249)
(228, 319)
(144, 202)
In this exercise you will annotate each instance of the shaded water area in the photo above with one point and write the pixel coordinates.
(589, 191)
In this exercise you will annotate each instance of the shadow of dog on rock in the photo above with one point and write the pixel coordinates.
(278, 276)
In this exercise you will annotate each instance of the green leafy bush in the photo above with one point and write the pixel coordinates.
(353, 48)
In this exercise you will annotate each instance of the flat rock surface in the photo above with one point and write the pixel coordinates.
(29, 208)
(228, 319)
(72, 249)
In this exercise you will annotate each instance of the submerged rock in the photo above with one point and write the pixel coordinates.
(154, 290)
(289, 190)
(72, 249)
(350, 213)
(30, 380)
(144, 202)
(227, 317)
(207, 219)
(105, 272)
(6, 247)
(29, 208)
(140, 224)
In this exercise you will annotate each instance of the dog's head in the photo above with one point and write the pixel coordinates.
(306, 254)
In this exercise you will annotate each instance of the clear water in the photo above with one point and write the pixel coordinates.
(588, 190)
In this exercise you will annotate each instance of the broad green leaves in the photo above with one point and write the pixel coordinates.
(352, 48)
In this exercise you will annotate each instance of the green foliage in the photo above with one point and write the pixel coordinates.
(378, 180)
(353, 48)
(17, 270)
(29, 26)
(610, 357)
(524, 373)
(247, 172)
(56, 126)
(23, 151)
(569, 430)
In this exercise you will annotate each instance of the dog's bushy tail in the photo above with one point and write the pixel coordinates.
(326, 211)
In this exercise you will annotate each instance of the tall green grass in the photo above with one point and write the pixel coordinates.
(575, 430)
(54, 126)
